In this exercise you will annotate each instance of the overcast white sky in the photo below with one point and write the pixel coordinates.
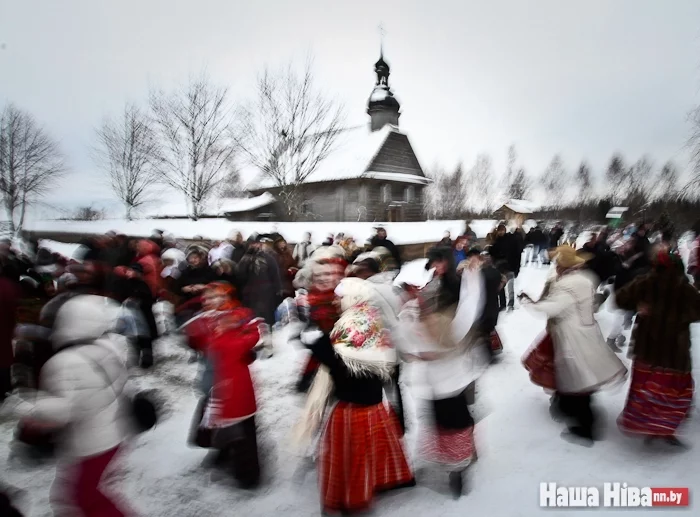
(583, 78)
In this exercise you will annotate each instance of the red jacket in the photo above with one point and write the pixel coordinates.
(230, 353)
(148, 256)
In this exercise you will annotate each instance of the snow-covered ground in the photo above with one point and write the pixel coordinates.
(519, 446)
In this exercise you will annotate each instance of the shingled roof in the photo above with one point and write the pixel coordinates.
(385, 154)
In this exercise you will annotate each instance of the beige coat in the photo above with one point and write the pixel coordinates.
(583, 361)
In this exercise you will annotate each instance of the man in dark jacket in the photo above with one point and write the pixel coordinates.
(556, 235)
(191, 284)
(259, 278)
(239, 247)
(128, 283)
(381, 240)
(537, 239)
(506, 252)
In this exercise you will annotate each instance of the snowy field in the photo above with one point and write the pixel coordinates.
(219, 228)
(519, 447)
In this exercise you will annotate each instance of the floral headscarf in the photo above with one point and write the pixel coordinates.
(360, 337)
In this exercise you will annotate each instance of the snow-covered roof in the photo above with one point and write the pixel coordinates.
(396, 176)
(354, 150)
(616, 212)
(213, 208)
(521, 206)
(246, 204)
(221, 228)
(66, 250)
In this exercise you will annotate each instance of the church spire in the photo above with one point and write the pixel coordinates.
(382, 108)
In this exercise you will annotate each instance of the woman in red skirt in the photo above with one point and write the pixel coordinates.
(662, 384)
(361, 452)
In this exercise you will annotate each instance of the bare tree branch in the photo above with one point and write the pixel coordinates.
(289, 130)
(667, 184)
(585, 184)
(197, 146)
(554, 181)
(691, 189)
(127, 151)
(30, 163)
(482, 180)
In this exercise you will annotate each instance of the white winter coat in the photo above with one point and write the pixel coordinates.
(455, 369)
(583, 362)
(82, 384)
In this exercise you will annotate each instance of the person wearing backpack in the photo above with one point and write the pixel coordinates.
(82, 394)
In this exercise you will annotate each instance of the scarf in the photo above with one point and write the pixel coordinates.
(362, 342)
(322, 311)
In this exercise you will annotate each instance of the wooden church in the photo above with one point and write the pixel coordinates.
(372, 175)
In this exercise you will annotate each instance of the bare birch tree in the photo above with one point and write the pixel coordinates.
(482, 180)
(30, 163)
(554, 182)
(667, 184)
(638, 182)
(615, 177)
(127, 151)
(520, 184)
(691, 189)
(510, 167)
(288, 130)
(197, 147)
(450, 191)
(585, 185)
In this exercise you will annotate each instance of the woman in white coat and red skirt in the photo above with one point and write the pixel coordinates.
(82, 395)
(583, 363)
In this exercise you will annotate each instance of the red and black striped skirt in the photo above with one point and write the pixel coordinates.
(361, 454)
(658, 401)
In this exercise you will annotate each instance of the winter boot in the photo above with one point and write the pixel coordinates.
(146, 360)
(675, 442)
(457, 483)
(577, 436)
(612, 343)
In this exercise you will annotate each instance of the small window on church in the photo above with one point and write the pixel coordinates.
(386, 193)
(410, 194)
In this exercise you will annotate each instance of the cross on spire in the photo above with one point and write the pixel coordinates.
(382, 33)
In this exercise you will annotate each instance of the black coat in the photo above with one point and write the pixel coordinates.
(536, 237)
(260, 284)
(238, 252)
(364, 390)
(492, 285)
(555, 237)
(661, 336)
(193, 276)
(506, 252)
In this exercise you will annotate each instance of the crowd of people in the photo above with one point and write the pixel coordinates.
(71, 329)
